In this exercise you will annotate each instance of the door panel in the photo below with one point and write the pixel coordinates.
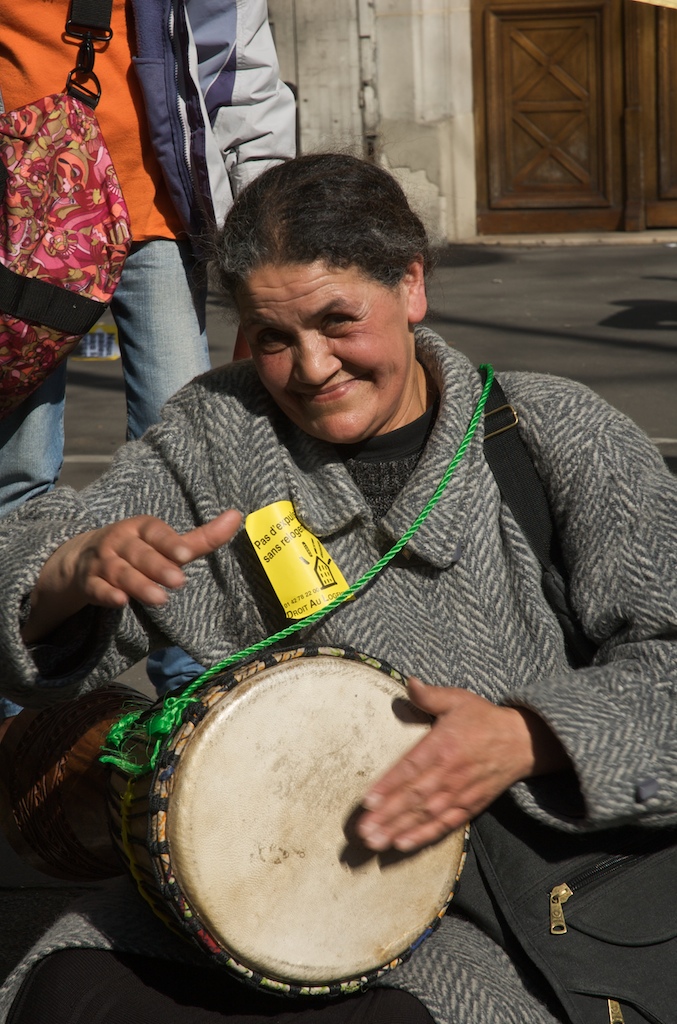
(576, 115)
(547, 82)
(548, 110)
(661, 207)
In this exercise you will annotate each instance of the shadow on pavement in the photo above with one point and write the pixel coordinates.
(470, 256)
(643, 315)
(89, 379)
(522, 330)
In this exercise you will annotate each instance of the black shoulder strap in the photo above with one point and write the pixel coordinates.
(523, 492)
(90, 14)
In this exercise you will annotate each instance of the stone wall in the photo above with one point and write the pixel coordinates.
(390, 80)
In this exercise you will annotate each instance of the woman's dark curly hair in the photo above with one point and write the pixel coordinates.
(327, 206)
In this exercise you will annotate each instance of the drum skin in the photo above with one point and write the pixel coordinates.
(53, 788)
(244, 834)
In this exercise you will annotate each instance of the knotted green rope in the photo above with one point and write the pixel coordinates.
(164, 721)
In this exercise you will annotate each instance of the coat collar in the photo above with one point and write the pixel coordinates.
(327, 500)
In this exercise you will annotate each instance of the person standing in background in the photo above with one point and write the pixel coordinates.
(192, 109)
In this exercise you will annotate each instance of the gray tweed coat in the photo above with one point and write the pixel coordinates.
(463, 608)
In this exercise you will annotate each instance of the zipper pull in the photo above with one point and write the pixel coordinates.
(559, 895)
(615, 1012)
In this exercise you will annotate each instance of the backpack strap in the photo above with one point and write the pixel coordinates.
(523, 492)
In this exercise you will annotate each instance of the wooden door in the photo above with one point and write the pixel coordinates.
(651, 49)
(576, 104)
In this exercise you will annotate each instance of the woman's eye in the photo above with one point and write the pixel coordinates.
(271, 341)
(336, 320)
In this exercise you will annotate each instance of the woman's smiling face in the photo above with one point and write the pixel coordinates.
(335, 348)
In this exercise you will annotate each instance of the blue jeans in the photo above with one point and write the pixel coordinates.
(159, 309)
(31, 444)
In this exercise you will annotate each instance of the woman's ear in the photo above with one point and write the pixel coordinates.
(414, 284)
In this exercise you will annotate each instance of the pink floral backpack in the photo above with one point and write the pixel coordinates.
(64, 231)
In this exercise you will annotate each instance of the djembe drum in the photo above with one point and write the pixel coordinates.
(53, 787)
(242, 836)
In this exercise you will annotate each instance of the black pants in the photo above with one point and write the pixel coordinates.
(91, 986)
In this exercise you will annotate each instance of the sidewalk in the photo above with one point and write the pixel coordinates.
(658, 236)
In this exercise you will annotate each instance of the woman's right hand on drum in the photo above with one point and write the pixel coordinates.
(473, 753)
(137, 558)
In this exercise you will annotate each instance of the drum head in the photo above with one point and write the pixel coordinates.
(261, 823)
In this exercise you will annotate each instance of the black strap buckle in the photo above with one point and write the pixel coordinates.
(88, 22)
(84, 68)
(506, 426)
(97, 34)
(90, 97)
(86, 54)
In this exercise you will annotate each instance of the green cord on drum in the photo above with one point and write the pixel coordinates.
(164, 721)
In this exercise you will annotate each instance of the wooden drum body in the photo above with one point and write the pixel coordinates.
(244, 832)
(53, 787)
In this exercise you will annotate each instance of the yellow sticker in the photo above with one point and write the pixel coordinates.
(300, 569)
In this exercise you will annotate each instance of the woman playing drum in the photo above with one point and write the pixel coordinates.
(351, 411)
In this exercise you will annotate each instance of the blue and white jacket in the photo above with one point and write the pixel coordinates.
(218, 113)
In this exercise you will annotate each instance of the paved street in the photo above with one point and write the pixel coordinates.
(603, 314)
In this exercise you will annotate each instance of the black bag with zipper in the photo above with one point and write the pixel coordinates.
(591, 912)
